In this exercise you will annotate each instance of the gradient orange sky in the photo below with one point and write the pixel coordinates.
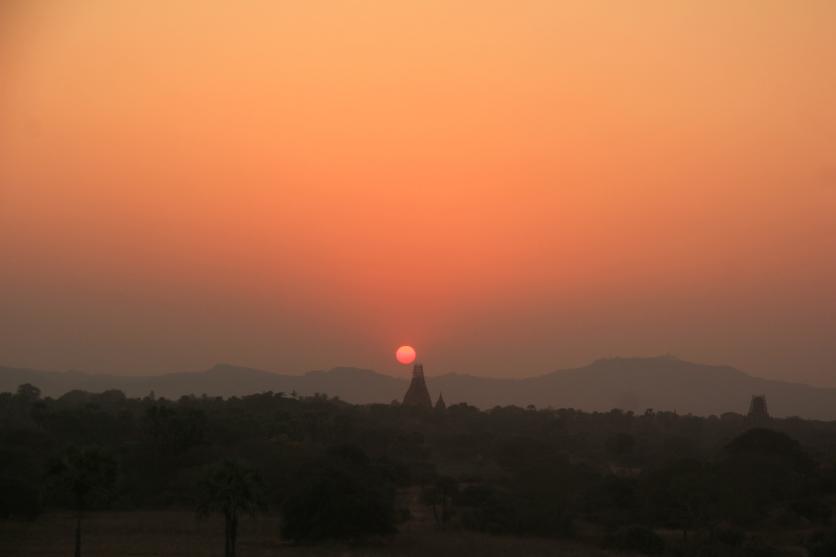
(511, 187)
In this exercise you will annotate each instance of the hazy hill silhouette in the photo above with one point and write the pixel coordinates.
(636, 384)
(661, 383)
(351, 384)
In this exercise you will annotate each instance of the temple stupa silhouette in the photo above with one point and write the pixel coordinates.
(417, 394)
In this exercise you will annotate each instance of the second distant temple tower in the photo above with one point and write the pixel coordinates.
(757, 409)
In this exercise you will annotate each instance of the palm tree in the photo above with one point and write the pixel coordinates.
(231, 489)
(85, 474)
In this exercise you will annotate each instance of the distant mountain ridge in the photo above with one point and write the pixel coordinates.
(661, 383)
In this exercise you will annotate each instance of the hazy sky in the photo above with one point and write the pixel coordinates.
(510, 186)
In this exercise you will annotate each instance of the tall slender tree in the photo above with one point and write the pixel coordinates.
(85, 474)
(231, 489)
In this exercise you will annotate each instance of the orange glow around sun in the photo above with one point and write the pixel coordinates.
(405, 355)
(298, 185)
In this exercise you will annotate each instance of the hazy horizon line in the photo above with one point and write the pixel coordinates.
(408, 367)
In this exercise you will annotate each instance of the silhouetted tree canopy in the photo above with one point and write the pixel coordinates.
(340, 495)
(341, 471)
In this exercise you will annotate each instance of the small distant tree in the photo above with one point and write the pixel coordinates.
(231, 489)
(682, 494)
(439, 495)
(85, 475)
(28, 392)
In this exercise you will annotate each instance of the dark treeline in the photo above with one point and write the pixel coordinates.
(655, 482)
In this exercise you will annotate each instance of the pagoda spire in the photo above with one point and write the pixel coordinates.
(417, 394)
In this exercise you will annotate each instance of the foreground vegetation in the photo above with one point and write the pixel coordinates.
(314, 470)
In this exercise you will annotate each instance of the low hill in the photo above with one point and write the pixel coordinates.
(636, 384)
(661, 383)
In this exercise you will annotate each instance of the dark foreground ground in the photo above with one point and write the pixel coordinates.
(181, 534)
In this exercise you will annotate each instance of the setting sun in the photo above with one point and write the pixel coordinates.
(405, 355)
(608, 225)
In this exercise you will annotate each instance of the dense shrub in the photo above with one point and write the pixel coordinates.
(339, 496)
(497, 511)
